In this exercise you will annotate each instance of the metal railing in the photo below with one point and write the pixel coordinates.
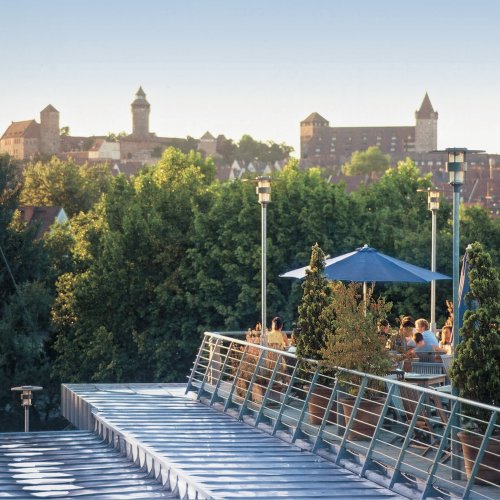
(394, 432)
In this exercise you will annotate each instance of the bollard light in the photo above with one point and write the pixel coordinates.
(26, 401)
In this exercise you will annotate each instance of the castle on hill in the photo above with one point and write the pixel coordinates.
(326, 146)
(320, 145)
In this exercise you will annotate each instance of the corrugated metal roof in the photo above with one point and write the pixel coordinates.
(70, 464)
(205, 452)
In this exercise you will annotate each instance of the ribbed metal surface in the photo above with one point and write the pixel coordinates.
(70, 464)
(202, 453)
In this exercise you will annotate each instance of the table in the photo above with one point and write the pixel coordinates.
(425, 379)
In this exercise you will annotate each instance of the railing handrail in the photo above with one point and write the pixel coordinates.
(379, 378)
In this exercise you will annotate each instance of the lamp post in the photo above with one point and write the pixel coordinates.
(433, 206)
(263, 191)
(456, 167)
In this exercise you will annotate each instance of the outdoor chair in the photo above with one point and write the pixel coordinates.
(428, 356)
(427, 368)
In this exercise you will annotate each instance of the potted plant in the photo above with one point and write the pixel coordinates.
(475, 369)
(352, 342)
(310, 332)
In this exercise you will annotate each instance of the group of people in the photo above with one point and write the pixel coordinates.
(416, 336)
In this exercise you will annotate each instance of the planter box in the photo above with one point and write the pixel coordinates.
(470, 446)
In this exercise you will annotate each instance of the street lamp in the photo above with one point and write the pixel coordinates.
(433, 205)
(263, 191)
(456, 167)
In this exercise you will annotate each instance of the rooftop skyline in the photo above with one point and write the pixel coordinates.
(258, 68)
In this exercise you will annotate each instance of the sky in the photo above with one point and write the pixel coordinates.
(255, 67)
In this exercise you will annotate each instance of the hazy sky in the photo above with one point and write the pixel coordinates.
(255, 66)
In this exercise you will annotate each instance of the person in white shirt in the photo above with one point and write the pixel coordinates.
(430, 339)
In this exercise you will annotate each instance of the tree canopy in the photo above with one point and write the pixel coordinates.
(371, 162)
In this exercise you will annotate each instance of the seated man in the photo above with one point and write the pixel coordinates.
(430, 339)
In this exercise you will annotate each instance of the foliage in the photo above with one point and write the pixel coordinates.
(251, 150)
(64, 183)
(113, 137)
(476, 367)
(126, 308)
(370, 162)
(351, 336)
(311, 325)
(25, 300)
(64, 131)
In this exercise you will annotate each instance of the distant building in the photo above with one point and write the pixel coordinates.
(42, 217)
(23, 140)
(325, 146)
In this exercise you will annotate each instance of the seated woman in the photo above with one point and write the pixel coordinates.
(446, 339)
(276, 338)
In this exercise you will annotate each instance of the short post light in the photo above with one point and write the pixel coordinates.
(263, 191)
(26, 401)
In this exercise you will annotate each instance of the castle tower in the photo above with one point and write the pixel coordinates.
(309, 126)
(50, 138)
(426, 127)
(140, 115)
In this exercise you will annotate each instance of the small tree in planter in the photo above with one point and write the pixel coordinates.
(475, 370)
(310, 330)
(353, 342)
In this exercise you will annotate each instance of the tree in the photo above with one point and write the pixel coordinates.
(371, 162)
(128, 308)
(112, 137)
(25, 299)
(317, 293)
(476, 366)
(64, 183)
(64, 132)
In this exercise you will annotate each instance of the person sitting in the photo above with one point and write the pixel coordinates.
(430, 339)
(446, 339)
(420, 345)
(276, 338)
(406, 330)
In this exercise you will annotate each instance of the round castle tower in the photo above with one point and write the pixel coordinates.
(140, 115)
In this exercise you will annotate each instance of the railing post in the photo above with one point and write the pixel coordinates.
(297, 432)
(236, 377)
(277, 424)
(268, 390)
(429, 489)
(243, 408)
(368, 458)
(396, 475)
(349, 425)
(206, 374)
(221, 373)
(195, 365)
(331, 400)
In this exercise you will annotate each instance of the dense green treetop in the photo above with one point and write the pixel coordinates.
(371, 162)
(74, 187)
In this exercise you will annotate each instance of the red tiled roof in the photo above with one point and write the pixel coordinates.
(28, 129)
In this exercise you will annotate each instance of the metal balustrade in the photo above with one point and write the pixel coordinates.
(394, 432)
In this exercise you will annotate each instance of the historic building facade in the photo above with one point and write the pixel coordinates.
(331, 147)
(25, 139)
